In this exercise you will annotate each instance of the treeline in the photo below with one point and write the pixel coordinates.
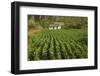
(43, 21)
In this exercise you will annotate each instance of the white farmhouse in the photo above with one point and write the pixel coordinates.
(56, 25)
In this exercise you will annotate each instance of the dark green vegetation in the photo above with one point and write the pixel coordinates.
(70, 42)
(58, 44)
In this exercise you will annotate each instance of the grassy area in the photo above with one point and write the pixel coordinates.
(58, 44)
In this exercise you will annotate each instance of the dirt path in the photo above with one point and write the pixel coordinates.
(32, 31)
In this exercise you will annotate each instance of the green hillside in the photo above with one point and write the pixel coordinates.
(69, 42)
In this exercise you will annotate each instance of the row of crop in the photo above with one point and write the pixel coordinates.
(71, 48)
(55, 45)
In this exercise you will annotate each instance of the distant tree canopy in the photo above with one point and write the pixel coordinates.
(43, 21)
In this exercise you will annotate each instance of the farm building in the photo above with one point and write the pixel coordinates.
(56, 25)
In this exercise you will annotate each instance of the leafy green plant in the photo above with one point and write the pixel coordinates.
(58, 44)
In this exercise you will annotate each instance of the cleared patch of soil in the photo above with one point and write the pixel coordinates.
(33, 31)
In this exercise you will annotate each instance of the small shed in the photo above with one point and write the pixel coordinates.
(56, 25)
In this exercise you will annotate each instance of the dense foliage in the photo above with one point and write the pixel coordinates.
(43, 21)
